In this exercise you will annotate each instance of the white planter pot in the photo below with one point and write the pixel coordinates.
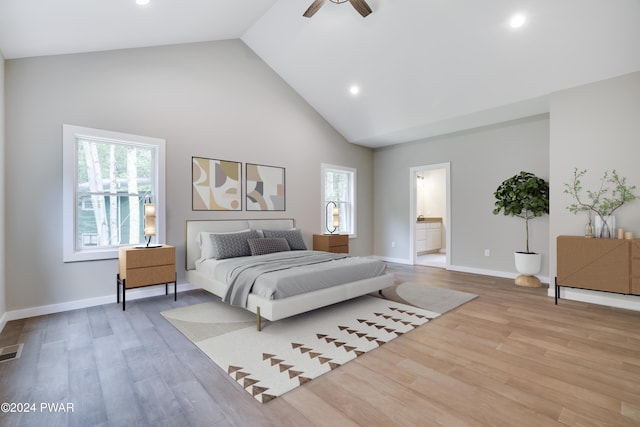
(528, 264)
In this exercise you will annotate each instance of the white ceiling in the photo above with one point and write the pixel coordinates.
(424, 67)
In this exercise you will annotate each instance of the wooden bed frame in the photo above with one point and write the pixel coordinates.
(265, 308)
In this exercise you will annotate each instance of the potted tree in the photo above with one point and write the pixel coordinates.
(603, 202)
(525, 196)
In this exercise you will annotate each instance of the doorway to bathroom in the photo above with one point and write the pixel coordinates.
(430, 215)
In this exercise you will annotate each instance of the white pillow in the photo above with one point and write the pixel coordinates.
(207, 250)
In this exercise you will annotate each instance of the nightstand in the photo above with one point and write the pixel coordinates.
(140, 267)
(338, 243)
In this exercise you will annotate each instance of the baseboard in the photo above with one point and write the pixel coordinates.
(483, 272)
(394, 260)
(90, 302)
(495, 273)
(463, 269)
(627, 302)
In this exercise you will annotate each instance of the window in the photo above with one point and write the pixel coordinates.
(339, 186)
(107, 178)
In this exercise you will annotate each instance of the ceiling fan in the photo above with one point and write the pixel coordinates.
(360, 5)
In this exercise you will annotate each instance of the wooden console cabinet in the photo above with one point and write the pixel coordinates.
(338, 243)
(610, 265)
(145, 267)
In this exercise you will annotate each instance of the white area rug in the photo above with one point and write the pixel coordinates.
(434, 299)
(293, 351)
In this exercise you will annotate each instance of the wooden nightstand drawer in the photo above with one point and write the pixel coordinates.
(146, 276)
(338, 243)
(131, 257)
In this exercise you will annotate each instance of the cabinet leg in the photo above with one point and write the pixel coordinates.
(124, 293)
(557, 290)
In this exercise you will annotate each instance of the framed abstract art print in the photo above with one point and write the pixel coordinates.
(265, 188)
(216, 185)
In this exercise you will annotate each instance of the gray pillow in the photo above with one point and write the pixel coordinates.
(206, 245)
(294, 238)
(268, 245)
(233, 244)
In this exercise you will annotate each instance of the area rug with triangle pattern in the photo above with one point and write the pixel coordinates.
(293, 351)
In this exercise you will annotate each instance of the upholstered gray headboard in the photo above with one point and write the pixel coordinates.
(194, 227)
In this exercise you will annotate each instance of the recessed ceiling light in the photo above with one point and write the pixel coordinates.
(517, 21)
(142, 2)
(354, 89)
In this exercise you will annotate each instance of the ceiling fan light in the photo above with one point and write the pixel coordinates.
(517, 21)
(354, 89)
(360, 6)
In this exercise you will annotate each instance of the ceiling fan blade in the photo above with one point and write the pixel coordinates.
(361, 6)
(317, 4)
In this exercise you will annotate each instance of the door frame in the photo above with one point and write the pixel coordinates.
(413, 177)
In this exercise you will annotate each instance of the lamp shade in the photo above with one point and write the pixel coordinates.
(149, 219)
(149, 209)
(332, 220)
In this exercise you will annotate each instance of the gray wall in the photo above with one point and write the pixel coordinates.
(595, 127)
(216, 100)
(480, 160)
(3, 306)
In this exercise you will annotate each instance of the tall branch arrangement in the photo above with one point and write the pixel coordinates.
(612, 193)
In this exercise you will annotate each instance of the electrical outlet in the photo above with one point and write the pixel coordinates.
(487, 252)
(393, 244)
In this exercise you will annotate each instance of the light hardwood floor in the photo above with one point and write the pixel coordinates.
(508, 358)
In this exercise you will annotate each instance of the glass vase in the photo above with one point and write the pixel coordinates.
(604, 226)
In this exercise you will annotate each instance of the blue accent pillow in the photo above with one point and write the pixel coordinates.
(294, 238)
(232, 245)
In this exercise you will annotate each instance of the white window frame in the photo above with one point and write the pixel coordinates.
(353, 186)
(70, 134)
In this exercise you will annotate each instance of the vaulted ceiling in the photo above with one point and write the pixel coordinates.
(423, 67)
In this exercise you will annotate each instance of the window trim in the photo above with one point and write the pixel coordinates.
(70, 134)
(324, 167)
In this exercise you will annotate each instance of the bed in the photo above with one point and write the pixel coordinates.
(199, 271)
